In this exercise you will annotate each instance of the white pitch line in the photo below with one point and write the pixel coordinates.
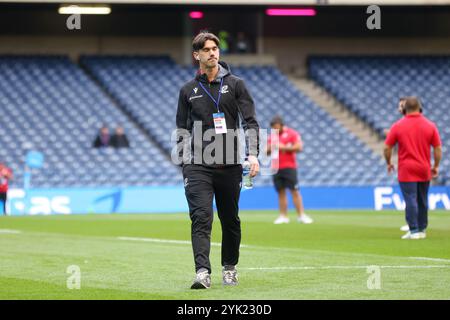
(9, 231)
(430, 259)
(341, 267)
(216, 244)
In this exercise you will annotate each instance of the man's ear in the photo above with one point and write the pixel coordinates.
(196, 57)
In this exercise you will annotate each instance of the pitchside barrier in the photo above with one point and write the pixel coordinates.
(172, 199)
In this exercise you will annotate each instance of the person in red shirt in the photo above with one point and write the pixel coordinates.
(284, 146)
(5, 176)
(414, 134)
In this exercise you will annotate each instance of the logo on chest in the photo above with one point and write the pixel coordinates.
(224, 89)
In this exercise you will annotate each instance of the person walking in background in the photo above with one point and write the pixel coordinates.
(414, 134)
(5, 177)
(119, 139)
(284, 146)
(103, 139)
(215, 100)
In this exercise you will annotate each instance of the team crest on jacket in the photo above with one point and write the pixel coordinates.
(195, 90)
(224, 89)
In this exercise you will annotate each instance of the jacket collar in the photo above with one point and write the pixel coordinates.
(224, 70)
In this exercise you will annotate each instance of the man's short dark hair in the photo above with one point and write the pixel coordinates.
(276, 120)
(412, 104)
(199, 41)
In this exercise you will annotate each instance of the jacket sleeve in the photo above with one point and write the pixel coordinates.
(246, 108)
(183, 127)
(182, 111)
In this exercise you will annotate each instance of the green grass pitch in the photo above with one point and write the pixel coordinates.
(325, 260)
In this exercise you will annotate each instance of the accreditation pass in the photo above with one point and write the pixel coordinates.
(219, 122)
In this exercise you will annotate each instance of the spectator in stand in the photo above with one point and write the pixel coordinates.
(103, 139)
(5, 176)
(119, 139)
(242, 45)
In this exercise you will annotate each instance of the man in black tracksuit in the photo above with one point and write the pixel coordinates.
(210, 108)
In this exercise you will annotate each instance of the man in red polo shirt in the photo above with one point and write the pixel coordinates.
(5, 176)
(284, 147)
(414, 134)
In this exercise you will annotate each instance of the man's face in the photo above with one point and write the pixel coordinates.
(208, 56)
(104, 131)
(277, 126)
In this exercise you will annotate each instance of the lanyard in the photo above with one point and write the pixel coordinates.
(209, 94)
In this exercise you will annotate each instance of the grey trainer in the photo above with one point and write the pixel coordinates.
(230, 276)
(202, 280)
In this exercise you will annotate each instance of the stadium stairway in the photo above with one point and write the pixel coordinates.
(328, 102)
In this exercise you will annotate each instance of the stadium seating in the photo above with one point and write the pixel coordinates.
(55, 106)
(49, 104)
(148, 87)
(371, 87)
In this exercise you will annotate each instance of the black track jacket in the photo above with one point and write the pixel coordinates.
(195, 105)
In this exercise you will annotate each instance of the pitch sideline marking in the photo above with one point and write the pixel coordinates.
(430, 259)
(215, 244)
(9, 231)
(342, 267)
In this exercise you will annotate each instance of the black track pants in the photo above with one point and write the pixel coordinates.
(201, 185)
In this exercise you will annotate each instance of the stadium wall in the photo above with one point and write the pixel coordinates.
(172, 199)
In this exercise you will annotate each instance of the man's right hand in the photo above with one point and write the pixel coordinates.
(435, 172)
(390, 168)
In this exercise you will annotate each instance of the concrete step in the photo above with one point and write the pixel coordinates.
(338, 111)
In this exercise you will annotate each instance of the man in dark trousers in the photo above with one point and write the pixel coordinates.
(414, 134)
(210, 108)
